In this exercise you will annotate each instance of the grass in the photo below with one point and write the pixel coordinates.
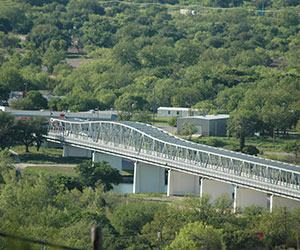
(269, 148)
(51, 170)
(58, 170)
(262, 143)
(146, 195)
(161, 120)
(282, 157)
(45, 155)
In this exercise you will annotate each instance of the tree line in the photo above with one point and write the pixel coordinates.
(26, 132)
(140, 57)
(49, 208)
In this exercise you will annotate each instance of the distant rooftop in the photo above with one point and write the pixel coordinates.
(209, 117)
(91, 115)
(175, 108)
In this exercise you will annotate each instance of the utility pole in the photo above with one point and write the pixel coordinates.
(159, 238)
(96, 235)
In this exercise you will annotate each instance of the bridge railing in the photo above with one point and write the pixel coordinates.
(120, 136)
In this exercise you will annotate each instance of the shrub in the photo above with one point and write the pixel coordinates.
(173, 122)
(250, 150)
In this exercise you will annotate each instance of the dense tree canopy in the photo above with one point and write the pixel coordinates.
(17, 131)
(138, 57)
(93, 174)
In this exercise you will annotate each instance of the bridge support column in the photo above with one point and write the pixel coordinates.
(270, 198)
(182, 183)
(235, 190)
(281, 202)
(216, 189)
(136, 179)
(70, 151)
(170, 184)
(201, 186)
(113, 161)
(148, 178)
(247, 197)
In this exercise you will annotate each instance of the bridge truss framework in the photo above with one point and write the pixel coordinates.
(142, 142)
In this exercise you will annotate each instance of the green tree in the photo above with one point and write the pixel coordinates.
(131, 102)
(6, 164)
(167, 222)
(277, 227)
(84, 7)
(293, 147)
(7, 130)
(11, 78)
(126, 52)
(35, 208)
(92, 174)
(172, 122)
(98, 31)
(195, 236)
(40, 130)
(251, 150)
(32, 101)
(188, 129)
(141, 116)
(187, 51)
(4, 93)
(29, 131)
(156, 55)
(130, 218)
(41, 35)
(242, 123)
(52, 57)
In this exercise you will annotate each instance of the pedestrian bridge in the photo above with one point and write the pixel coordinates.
(148, 145)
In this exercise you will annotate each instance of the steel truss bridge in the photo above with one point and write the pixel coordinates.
(146, 143)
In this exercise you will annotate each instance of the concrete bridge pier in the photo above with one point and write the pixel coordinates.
(70, 151)
(148, 178)
(113, 161)
(281, 202)
(182, 184)
(216, 189)
(244, 197)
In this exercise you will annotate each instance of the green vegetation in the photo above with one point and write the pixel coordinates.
(172, 122)
(188, 129)
(51, 171)
(58, 209)
(19, 131)
(91, 174)
(275, 149)
(32, 101)
(45, 155)
(6, 165)
(243, 61)
(195, 236)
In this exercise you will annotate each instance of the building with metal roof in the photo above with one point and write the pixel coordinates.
(209, 125)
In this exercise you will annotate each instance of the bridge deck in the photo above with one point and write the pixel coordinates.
(142, 142)
(164, 136)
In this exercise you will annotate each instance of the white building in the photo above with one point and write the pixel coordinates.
(176, 112)
(187, 12)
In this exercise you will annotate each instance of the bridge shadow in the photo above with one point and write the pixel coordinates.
(42, 158)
